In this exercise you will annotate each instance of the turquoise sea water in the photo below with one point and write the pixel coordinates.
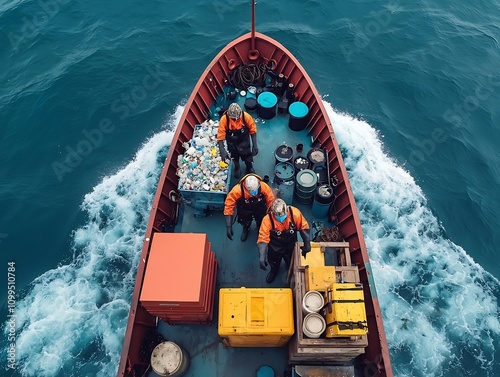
(89, 96)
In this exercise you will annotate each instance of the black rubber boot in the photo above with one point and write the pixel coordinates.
(271, 276)
(237, 170)
(250, 168)
(244, 234)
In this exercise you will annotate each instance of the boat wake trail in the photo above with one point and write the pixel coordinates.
(440, 308)
(72, 320)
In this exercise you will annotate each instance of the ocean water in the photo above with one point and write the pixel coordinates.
(89, 97)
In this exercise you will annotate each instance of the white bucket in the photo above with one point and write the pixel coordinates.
(312, 302)
(314, 325)
(169, 359)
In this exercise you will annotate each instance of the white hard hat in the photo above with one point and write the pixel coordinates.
(234, 111)
(279, 207)
(251, 183)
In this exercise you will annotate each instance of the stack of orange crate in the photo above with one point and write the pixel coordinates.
(179, 282)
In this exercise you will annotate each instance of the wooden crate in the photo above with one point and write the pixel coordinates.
(335, 351)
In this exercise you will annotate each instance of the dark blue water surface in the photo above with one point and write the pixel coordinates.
(90, 93)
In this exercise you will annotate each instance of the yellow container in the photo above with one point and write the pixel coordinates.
(320, 278)
(348, 314)
(255, 317)
(314, 258)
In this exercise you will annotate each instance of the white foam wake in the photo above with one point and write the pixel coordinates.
(73, 319)
(439, 306)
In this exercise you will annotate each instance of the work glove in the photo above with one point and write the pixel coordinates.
(222, 151)
(255, 148)
(229, 226)
(306, 237)
(262, 246)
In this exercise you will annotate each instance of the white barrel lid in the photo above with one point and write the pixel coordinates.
(307, 178)
(313, 300)
(166, 358)
(314, 323)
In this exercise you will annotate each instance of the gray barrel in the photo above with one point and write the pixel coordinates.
(305, 187)
(169, 359)
(323, 198)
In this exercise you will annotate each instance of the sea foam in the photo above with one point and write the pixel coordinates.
(439, 307)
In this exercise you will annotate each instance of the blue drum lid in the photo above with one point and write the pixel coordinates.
(284, 170)
(267, 99)
(298, 109)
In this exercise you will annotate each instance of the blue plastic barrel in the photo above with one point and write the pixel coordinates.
(267, 102)
(298, 116)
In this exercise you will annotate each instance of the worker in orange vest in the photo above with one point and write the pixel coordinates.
(237, 127)
(278, 235)
(251, 198)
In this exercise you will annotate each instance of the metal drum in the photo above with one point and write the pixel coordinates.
(169, 359)
(283, 153)
(305, 187)
(323, 199)
(283, 172)
(317, 157)
(313, 325)
(300, 163)
(250, 104)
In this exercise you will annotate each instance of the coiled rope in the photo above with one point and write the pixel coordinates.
(246, 75)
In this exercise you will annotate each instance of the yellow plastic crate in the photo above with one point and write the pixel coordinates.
(255, 317)
(348, 314)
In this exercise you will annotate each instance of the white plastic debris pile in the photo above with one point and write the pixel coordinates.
(200, 168)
